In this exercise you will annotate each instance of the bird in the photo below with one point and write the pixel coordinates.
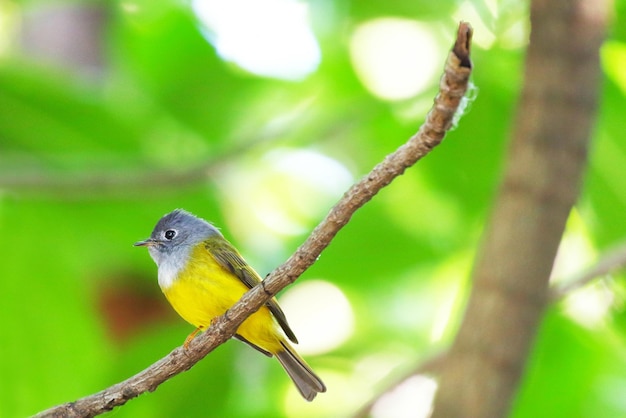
(203, 275)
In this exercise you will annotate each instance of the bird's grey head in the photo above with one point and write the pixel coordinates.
(175, 234)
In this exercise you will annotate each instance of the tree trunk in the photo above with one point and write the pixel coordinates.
(545, 164)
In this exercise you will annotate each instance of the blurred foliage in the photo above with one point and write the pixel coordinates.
(91, 158)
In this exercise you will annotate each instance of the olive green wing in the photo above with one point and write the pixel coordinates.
(228, 257)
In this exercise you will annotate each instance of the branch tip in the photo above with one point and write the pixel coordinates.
(462, 45)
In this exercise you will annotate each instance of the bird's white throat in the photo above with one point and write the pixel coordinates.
(169, 269)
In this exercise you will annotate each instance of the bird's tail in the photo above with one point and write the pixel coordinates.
(307, 382)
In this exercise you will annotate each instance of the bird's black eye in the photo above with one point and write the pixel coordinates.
(170, 234)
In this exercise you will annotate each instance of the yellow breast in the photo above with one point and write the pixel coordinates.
(204, 290)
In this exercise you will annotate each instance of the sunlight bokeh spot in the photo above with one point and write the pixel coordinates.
(487, 19)
(293, 187)
(343, 397)
(576, 250)
(395, 58)
(412, 398)
(270, 38)
(281, 195)
(129, 7)
(613, 55)
(482, 36)
(590, 305)
(320, 314)
(9, 26)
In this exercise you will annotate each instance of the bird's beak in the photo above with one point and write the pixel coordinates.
(146, 243)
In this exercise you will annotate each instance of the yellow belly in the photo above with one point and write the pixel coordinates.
(204, 290)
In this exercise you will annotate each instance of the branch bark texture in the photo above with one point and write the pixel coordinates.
(453, 86)
(546, 161)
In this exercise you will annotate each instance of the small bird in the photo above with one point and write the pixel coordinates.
(202, 275)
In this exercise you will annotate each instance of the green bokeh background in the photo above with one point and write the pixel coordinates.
(90, 161)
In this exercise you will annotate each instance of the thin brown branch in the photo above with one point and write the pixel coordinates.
(612, 260)
(453, 86)
(541, 183)
(117, 183)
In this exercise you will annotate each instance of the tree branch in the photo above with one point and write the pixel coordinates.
(541, 183)
(610, 261)
(115, 183)
(452, 87)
